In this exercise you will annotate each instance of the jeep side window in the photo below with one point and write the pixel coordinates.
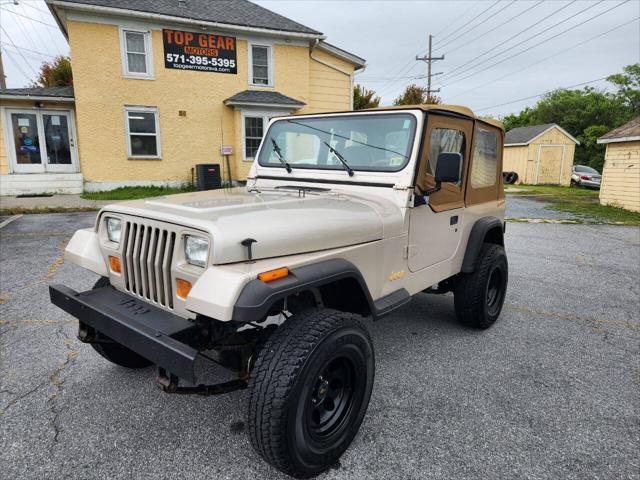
(447, 140)
(485, 159)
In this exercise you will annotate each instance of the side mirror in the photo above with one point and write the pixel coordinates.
(448, 167)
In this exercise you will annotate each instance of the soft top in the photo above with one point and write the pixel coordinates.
(457, 109)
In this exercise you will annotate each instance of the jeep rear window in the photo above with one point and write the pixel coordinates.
(380, 143)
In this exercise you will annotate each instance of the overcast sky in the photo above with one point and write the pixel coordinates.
(490, 47)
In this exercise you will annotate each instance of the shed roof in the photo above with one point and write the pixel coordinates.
(231, 12)
(629, 132)
(526, 135)
(38, 93)
(263, 98)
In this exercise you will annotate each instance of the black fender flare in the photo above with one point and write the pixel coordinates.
(486, 227)
(256, 297)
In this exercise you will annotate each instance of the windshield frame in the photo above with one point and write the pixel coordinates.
(338, 167)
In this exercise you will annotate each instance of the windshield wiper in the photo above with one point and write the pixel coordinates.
(276, 149)
(341, 158)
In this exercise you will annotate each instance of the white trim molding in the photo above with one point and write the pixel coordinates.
(37, 98)
(619, 139)
(270, 64)
(156, 115)
(148, 53)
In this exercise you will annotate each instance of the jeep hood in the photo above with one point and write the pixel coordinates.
(283, 222)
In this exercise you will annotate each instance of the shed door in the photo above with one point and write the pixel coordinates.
(550, 163)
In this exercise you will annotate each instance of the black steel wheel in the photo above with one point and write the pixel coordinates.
(114, 352)
(309, 391)
(479, 295)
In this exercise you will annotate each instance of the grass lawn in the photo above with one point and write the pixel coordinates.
(581, 202)
(133, 193)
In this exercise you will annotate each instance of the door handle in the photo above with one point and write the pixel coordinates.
(453, 220)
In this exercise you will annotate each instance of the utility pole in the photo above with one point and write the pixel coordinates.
(3, 78)
(430, 59)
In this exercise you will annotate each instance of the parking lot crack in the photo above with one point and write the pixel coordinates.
(19, 398)
(58, 383)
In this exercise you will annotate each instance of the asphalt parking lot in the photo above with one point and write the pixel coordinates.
(551, 391)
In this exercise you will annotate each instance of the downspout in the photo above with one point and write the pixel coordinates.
(314, 45)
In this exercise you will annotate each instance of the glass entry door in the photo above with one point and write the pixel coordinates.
(42, 141)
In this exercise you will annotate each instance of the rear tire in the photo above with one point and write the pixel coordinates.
(114, 352)
(309, 391)
(479, 295)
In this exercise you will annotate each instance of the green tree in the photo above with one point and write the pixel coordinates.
(416, 95)
(364, 98)
(586, 114)
(56, 73)
(628, 84)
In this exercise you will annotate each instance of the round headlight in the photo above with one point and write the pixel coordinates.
(195, 250)
(114, 229)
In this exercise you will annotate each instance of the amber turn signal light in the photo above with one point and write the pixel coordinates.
(114, 263)
(272, 275)
(182, 288)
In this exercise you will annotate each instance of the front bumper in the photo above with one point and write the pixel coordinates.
(157, 335)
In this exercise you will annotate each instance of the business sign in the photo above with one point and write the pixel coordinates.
(203, 52)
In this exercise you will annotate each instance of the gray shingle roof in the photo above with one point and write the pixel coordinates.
(232, 12)
(39, 92)
(525, 134)
(248, 97)
(630, 129)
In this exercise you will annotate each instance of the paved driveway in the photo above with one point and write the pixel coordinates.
(551, 391)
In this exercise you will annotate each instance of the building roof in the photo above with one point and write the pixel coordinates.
(263, 98)
(629, 132)
(231, 12)
(38, 93)
(526, 135)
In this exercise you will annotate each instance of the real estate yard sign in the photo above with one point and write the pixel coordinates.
(204, 52)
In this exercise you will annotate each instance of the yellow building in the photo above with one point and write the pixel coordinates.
(540, 154)
(621, 173)
(162, 86)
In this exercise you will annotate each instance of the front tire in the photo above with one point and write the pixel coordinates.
(114, 352)
(309, 391)
(479, 295)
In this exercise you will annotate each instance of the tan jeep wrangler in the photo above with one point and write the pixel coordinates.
(345, 216)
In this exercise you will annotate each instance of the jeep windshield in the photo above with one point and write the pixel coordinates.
(378, 142)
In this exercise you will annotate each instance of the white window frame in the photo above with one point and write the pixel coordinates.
(132, 108)
(148, 53)
(270, 66)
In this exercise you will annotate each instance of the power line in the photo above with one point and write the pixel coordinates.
(540, 94)
(410, 65)
(494, 28)
(511, 38)
(527, 49)
(460, 28)
(19, 52)
(461, 17)
(17, 64)
(30, 18)
(466, 32)
(579, 44)
(28, 50)
(43, 16)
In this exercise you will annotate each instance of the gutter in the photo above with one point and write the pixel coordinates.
(39, 98)
(161, 18)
